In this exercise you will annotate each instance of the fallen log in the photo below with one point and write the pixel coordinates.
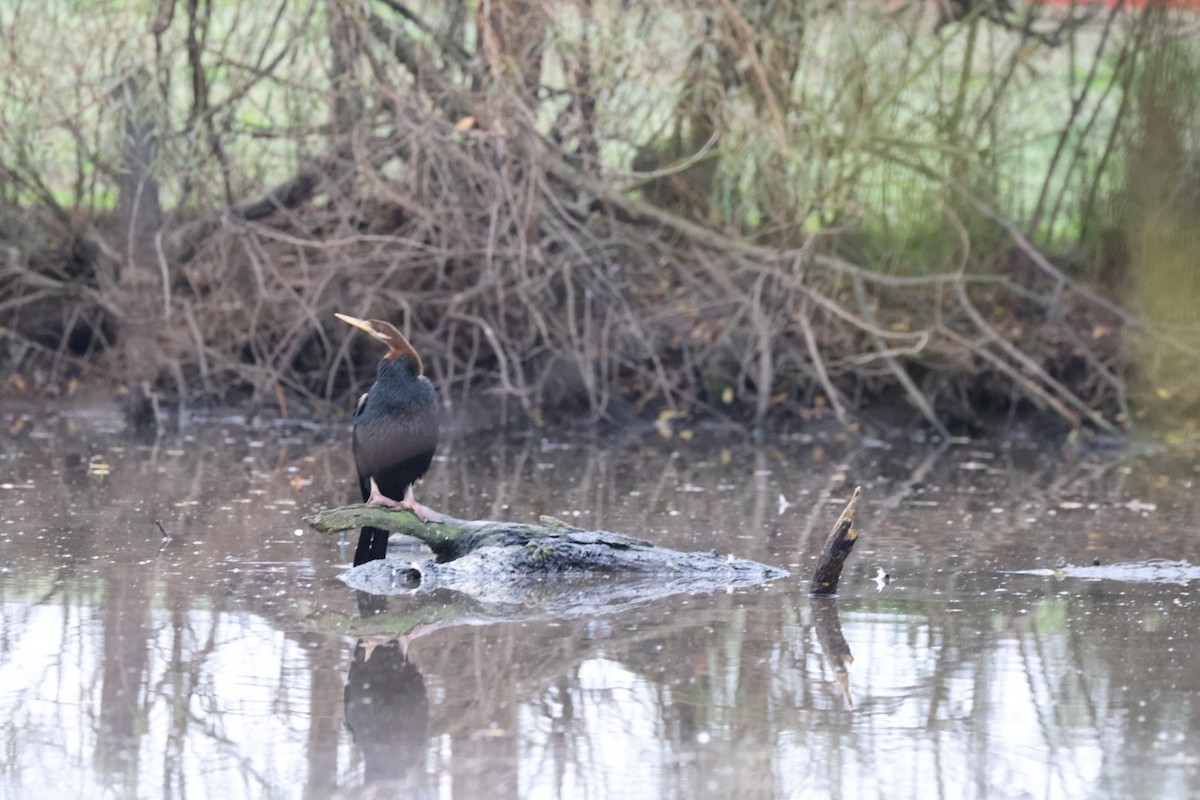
(481, 557)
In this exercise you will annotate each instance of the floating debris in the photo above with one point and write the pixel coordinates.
(1154, 571)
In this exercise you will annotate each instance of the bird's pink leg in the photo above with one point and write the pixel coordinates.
(423, 512)
(378, 498)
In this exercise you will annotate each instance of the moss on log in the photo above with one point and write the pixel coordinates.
(450, 539)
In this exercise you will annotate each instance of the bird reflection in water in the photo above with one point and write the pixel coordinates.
(387, 710)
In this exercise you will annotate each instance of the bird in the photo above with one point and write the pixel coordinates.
(395, 433)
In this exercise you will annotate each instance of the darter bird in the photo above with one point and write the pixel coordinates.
(395, 433)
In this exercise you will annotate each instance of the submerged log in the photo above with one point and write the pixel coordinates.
(481, 558)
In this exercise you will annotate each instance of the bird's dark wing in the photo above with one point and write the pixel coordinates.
(364, 481)
(388, 435)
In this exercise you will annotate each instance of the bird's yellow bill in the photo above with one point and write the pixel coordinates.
(361, 324)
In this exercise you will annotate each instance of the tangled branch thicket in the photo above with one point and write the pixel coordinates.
(748, 208)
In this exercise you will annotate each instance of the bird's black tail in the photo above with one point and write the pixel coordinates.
(372, 545)
(372, 542)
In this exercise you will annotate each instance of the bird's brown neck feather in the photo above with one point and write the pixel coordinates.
(402, 349)
(397, 342)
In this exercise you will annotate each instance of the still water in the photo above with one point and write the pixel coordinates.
(226, 659)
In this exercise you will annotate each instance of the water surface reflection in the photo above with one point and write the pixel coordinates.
(228, 660)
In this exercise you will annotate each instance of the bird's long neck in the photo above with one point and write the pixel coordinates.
(403, 352)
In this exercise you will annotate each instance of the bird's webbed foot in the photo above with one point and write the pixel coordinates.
(423, 512)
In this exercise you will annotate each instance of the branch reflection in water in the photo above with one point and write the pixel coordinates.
(213, 665)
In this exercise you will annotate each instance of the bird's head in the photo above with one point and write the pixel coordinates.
(398, 346)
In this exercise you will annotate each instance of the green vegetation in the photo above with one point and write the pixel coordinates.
(609, 207)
